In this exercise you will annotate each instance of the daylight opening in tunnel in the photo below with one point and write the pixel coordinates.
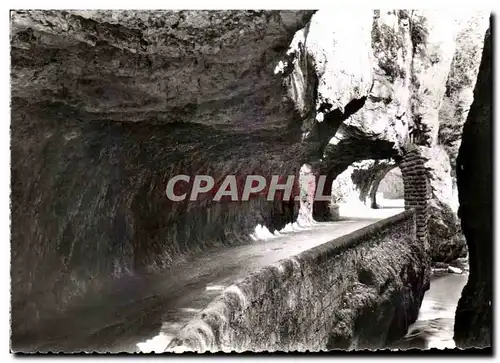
(390, 188)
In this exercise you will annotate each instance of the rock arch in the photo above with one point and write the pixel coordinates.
(366, 179)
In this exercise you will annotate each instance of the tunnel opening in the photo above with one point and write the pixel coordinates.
(383, 187)
(357, 176)
(391, 186)
(343, 150)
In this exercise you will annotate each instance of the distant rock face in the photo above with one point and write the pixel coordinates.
(460, 83)
(474, 319)
(107, 106)
(409, 59)
(391, 186)
(445, 237)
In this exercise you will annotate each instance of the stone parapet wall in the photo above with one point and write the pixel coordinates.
(360, 290)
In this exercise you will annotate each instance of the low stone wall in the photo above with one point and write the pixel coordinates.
(358, 291)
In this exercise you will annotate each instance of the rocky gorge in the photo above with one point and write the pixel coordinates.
(107, 106)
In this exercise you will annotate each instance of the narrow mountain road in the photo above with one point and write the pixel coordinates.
(143, 313)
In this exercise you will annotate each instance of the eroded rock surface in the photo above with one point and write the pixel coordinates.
(461, 81)
(410, 57)
(106, 108)
(473, 320)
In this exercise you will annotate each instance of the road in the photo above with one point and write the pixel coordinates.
(144, 313)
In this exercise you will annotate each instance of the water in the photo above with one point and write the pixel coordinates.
(434, 325)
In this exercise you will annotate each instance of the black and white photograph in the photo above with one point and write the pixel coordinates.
(250, 181)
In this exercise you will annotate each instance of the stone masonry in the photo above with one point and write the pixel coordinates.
(416, 191)
(360, 290)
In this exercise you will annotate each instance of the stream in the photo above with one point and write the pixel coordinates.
(434, 325)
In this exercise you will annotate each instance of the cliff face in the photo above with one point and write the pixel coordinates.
(473, 321)
(460, 83)
(409, 58)
(107, 106)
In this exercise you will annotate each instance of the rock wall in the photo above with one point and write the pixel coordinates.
(461, 80)
(474, 316)
(434, 66)
(446, 239)
(444, 224)
(361, 290)
(107, 106)
(391, 186)
(409, 57)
